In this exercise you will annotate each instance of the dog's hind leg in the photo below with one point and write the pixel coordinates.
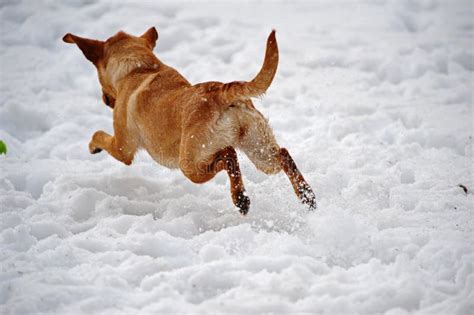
(203, 170)
(227, 159)
(259, 144)
(301, 187)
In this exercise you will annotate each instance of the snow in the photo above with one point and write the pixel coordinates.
(373, 99)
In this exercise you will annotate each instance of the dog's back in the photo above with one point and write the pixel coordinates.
(176, 119)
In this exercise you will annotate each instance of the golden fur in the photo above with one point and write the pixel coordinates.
(191, 127)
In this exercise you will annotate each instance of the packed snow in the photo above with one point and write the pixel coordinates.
(374, 100)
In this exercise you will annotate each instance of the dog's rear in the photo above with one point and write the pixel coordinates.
(255, 137)
(239, 123)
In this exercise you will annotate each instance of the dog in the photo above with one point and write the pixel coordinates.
(195, 128)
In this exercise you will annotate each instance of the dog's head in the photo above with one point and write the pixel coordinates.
(116, 57)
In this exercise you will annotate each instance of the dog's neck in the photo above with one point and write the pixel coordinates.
(119, 68)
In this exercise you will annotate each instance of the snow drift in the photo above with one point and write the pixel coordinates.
(373, 99)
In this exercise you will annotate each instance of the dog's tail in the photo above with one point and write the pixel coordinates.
(240, 90)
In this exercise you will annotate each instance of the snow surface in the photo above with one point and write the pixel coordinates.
(372, 98)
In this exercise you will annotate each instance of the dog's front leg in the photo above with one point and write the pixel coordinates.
(115, 146)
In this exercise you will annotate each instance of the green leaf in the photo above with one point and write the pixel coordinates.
(3, 147)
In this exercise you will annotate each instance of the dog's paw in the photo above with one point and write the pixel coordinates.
(96, 150)
(307, 196)
(243, 203)
(93, 149)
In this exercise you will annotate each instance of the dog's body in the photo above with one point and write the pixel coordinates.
(191, 127)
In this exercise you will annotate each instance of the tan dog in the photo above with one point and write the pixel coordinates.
(191, 127)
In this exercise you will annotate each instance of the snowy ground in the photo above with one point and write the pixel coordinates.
(373, 99)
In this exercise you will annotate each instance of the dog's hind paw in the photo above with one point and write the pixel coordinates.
(307, 197)
(243, 203)
(312, 205)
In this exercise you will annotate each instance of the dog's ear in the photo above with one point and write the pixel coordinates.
(151, 36)
(92, 49)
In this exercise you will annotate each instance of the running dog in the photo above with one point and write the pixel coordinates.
(195, 128)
